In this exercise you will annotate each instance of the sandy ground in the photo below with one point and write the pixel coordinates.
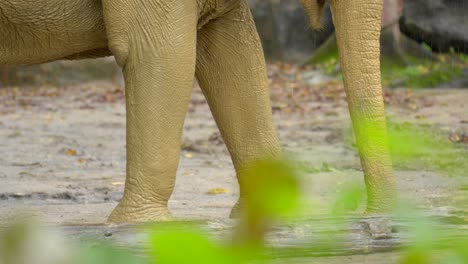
(63, 151)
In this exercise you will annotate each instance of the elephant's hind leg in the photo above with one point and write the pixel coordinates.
(232, 74)
(154, 42)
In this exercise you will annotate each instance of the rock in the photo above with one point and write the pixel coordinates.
(396, 47)
(441, 24)
(459, 82)
(285, 30)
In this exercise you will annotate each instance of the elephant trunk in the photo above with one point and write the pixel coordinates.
(358, 26)
(314, 10)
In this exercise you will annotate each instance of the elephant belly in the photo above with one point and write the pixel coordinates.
(36, 31)
(212, 9)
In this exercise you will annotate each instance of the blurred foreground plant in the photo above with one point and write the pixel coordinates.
(417, 147)
(430, 241)
(24, 243)
(272, 195)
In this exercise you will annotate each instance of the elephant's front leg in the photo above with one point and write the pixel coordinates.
(154, 41)
(358, 24)
(232, 74)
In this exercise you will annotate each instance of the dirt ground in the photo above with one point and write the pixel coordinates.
(63, 149)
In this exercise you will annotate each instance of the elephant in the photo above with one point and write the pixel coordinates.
(357, 28)
(161, 45)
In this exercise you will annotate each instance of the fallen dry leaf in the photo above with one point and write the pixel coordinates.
(70, 152)
(458, 138)
(217, 191)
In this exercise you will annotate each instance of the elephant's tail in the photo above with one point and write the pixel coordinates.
(314, 10)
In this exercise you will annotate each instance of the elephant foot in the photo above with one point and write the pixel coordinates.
(124, 213)
(381, 206)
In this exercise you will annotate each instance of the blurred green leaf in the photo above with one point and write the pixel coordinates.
(416, 257)
(351, 198)
(188, 246)
(417, 147)
(271, 189)
(430, 241)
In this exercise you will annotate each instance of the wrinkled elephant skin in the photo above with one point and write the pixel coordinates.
(358, 26)
(160, 45)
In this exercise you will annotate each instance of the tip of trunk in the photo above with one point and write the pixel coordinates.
(314, 10)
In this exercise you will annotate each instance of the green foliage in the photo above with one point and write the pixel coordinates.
(463, 57)
(189, 246)
(429, 243)
(419, 73)
(277, 197)
(327, 57)
(426, 47)
(420, 147)
(325, 53)
(408, 141)
(106, 254)
(305, 167)
(351, 198)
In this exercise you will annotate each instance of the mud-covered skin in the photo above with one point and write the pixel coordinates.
(160, 45)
